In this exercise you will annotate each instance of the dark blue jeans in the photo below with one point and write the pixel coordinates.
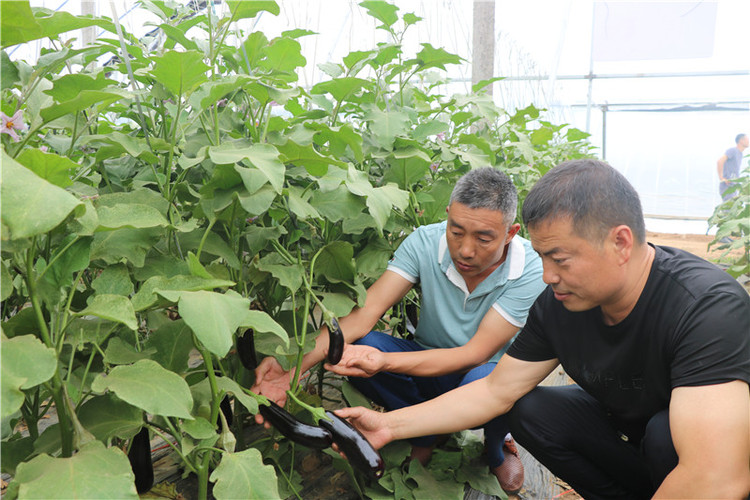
(569, 432)
(396, 390)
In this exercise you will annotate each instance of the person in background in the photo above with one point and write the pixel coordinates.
(656, 339)
(478, 280)
(728, 165)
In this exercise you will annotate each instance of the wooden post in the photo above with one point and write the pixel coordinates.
(483, 42)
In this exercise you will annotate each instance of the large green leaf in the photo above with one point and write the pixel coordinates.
(429, 487)
(26, 363)
(336, 262)
(67, 87)
(202, 393)
(29, 204)
(210, 92)
(262, 322)
(112, 307)
(337, 204)
(71, 257)
(180, 72)
(299, 205)
(242, 9)
(339, 88)
(126, 243)
(113, 280)
(173, 343)
(212, 316)
(148, 386)
(430, 57)
(84, 100)
(283, 55)
(244, 475)
(264, 157)
(17, 24)
(129, 215)
(306, 156)
(146, 296)
(382, 11)
(54, 168)
(212, 245)
(93, 472)
(289, 276)
(108, 416)
(386, 125)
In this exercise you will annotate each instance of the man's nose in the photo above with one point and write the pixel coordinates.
(549, 276)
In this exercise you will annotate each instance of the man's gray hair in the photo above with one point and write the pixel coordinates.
(487, 188)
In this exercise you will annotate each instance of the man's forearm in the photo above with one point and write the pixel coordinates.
(431, 362)
(466, 407)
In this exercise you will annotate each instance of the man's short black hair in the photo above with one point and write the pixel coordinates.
(739, 138)
(593, 194)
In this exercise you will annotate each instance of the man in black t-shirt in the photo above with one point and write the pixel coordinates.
(656, 340)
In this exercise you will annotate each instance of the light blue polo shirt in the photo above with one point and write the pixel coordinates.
(449, 314)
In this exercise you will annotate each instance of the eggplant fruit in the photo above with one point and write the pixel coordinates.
(246, 350)
(355, 446)
(295, 430)
(335, 342)
(140, 461)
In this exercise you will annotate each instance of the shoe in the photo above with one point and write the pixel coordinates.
(510, 472)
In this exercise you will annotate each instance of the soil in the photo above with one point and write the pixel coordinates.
(696, 244)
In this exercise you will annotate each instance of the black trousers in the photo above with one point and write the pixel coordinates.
(570, 433)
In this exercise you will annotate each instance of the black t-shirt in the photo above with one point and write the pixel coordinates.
(690, 327)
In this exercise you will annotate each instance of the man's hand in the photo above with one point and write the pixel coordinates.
(272, 381)
(358, 361)
(372, 424)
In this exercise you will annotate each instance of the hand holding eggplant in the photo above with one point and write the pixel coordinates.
(359, 361)
(272, 381)
(372, 425)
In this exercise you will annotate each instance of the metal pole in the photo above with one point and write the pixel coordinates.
(483, 42)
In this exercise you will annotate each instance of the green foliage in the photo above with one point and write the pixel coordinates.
(144, 221)
(732, 219)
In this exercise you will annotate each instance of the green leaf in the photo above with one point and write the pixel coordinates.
(283, 55)
(108, 416)
(17, 24)
(129, 244)
(300, 206)
(8, 69)
(208, 93)
(352, 396)
(84, 100)
(202, 393)
(541, 136)
(180, 72)
(430, 57)
(432, 127)
(306, 156)
(381, 201)
(257, 203)
(196, 268)
(262, 322)
(407, 171)
(336, 262)
(59, 274)
(53, 168)
(129, 215)
(112, 307)
(149, 386)
(338, 204)
(481, 479)
(93, 472)
(173, 343)
(242, 9)
(199, 428)
(382, 11)
(339, 88)
(6, 282)
(428, 487)
(15, 452)
(289, 276)
(119, 352)
(244, 475)
(29, 204)
(338, 303)
(263, 157)
(212, 316)
(67, 87)
(113, 280)
(386, 125)
(26, 363)
(146, 296)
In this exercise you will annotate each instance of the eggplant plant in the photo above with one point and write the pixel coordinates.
(163, 195)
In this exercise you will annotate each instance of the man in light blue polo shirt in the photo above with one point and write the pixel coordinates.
(478, 281)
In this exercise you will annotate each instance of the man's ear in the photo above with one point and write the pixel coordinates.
(623, 240)
(512, 231)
